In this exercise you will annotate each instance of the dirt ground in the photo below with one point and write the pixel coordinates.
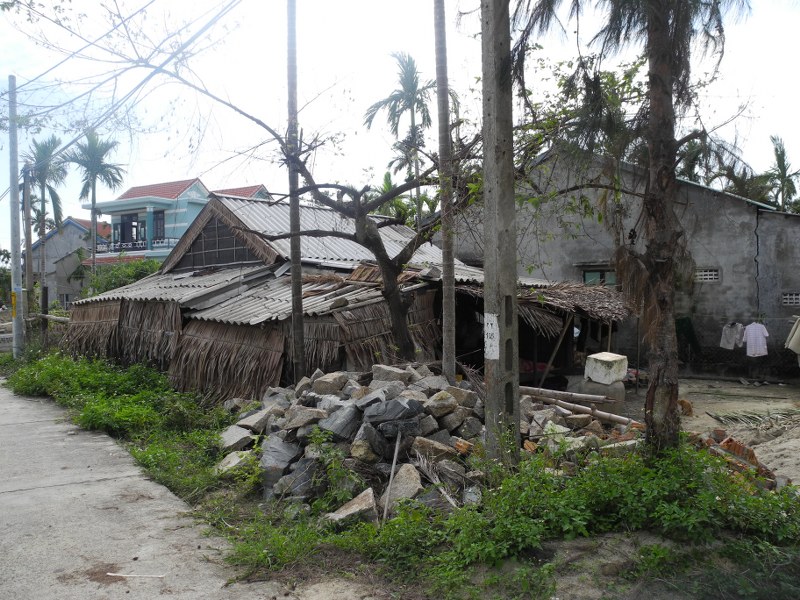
(776, 441)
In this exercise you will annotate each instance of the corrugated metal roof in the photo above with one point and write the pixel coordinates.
(466, 274)
(183, 287)
(271, 300)
(272, 218)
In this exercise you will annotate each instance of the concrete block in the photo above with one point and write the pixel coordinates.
(605, 367)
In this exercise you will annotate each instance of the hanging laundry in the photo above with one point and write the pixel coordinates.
(755, 336)
(793, 341)
(732, 335)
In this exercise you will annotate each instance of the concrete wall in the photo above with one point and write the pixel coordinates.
(58, 245)
(756, 254)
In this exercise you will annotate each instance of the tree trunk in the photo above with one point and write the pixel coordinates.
(398, 309)
(298, 334)
(663, 233)
(415, 160)
(500, 238)
(445, 197)
(94, 227)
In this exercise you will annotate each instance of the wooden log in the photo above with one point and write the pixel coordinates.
(53, 318)
(597, 414)
(566, 396)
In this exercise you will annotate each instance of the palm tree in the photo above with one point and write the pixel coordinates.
(49, 171)
(781, 175)
(410, 98)
(668, 30)
(91, 157)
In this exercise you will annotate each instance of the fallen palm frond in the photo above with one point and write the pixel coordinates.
(430, 469)
(755, 419)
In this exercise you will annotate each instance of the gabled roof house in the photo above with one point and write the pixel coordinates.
(218, 314)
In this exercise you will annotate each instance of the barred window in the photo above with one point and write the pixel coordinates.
(791, 299)
(706, 275)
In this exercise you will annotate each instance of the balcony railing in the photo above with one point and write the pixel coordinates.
(136, 246)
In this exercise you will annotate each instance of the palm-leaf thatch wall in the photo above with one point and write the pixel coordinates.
(225, 361)
(367, 336)
(322, 342)
(93, 330)
(149, 331)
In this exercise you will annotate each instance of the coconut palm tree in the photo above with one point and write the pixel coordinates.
(668, 30)
(91, 157)
(781, 175)
(49, 171)
(410, 98)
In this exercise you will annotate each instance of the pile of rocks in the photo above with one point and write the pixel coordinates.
(411, 417)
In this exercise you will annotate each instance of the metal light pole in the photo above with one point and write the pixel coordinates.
(18, 323)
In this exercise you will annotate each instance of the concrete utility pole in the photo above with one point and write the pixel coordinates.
(18, 324)
(500, 238)
(27, 172)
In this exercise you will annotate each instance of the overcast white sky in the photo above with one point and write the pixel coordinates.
(344, 66)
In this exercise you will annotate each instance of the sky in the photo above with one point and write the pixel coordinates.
(344, 65)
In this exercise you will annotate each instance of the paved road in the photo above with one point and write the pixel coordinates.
(74, 507)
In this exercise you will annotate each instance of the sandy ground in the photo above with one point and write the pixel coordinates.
(776, 441)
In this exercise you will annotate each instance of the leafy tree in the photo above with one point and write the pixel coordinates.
(49, 171)
(781, 176)
(113, 276)
(668, 30)
(91, 157)
(410, 98)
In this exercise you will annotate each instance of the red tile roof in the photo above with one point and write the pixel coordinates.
(243, 192)
(103, 228)
(170, 190)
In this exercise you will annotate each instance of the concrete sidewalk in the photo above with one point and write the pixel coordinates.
(74, 506)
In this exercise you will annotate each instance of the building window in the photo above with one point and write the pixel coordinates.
(158, 225)
(701, 275)
(600, 277)
(791, 299)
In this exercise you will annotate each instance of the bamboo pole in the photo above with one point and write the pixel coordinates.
(597, 414)
(568, 396)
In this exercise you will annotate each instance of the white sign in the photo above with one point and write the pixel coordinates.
(491, 337)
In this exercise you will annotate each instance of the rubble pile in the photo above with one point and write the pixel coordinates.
(409, 417)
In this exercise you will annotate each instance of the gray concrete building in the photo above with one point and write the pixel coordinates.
(746, 256)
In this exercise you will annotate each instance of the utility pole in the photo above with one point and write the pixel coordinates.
(27, 173)
(18, 323)
(500, 238)
(295, 255)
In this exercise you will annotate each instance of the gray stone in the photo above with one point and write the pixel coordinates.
(433, 499)
(331, 383)
(235, 438)
(316, 375)
(442, 436)
(302, 386)
(595, 427)
(279, 393)
(371, 398)
(276, 456)
(389, 373)
(430, 385)
(408, 427)
(275, 402)
(578, 421)
(540, 419)
(299, 483)
(257, 422)
(453, 420)
(527, 408)
(471, 495)
(479, 411)
(414, 395)
(524, 428)
(414, 374)
(360, 508)
(451, 472)
(331, 403)
(440, 404)
(464, 397)
(392, 410)
(406, 484)
(234, 404)
(233, 461)
(423, 370)
(391, 389)
(300, 416)
(361, 450)
(343, 423)
(368, 445)
(349, 388)
(470, 428)
(433, 450)
(427, 425)
(621, 448)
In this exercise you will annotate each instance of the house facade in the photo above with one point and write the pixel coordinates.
(65, 248)
(745, 256)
